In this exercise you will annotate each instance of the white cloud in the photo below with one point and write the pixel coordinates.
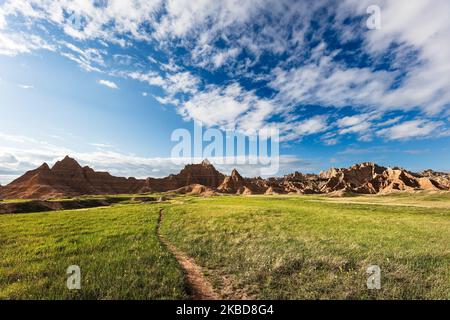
(173, 83)
(219, 106)
(26, 86)
(410, 129)
(87, 20)
(298, 129)
(3, 22)
(101, 145)
(331, 141)
(312, 125)
(420, 25)
(185, 17)
(231, 107)
(20, 154)
(152, 78)
(389, 121)
(108, 84)
(12, 44)
(330, 84)
(414, 38)
(167, 100)
(209, 57)
(90, 59)
(351, 121)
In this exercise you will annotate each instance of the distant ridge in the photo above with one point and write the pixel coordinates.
(68, 179)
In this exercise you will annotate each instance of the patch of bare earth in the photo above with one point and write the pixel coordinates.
(229, 290)
(198, 285)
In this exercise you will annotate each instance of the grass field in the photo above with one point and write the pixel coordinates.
(116, 248)
(287, 247)
(276, 247)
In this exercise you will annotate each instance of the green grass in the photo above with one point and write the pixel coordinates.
(14, 200)
(115, 247)
(288, 247)
(118, 197)
(426, 199)
(275, 247)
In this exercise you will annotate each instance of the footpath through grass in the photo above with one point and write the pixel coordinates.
(116, 248)
(288, 247)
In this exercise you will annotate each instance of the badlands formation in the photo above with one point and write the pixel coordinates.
(68, 179)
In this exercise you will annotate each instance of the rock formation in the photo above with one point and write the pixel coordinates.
(356, 178)
(441, 178)
(369, 178)
(68, 179)
(234, 183)
(196, 189)
(203, 174)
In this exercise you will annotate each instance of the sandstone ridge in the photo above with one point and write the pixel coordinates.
(68, 179)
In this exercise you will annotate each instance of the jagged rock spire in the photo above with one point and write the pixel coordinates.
(206, 162)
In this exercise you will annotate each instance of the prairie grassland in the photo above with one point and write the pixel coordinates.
(276, 247)
(289, 247)
(107, 197)
(116, 248)
(426, 199)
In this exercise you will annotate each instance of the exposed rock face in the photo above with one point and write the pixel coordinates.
(270, 191)
(370, 178)
(196, 189)
(204, 174)
(67, 179)
(441, 178)
(355, 178)
(364, 178)
(234, 183)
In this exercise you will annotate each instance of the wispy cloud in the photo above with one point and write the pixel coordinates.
(24, 153)
(411, 129)
(256, 63)
(12, 44)
(101, 145)
(109, 84)
(26, 86)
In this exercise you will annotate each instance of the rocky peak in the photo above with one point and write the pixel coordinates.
(235, 175)
(432, 173)
(203, 173)
(296, 176)
(67, 163)
(327, 174)
(43, 167)
(68, 178)
(206, 163)
(373, 166)
(235, 183)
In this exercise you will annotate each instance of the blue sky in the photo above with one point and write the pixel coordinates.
(108, 81)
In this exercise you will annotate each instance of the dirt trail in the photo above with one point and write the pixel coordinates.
(199, 286)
